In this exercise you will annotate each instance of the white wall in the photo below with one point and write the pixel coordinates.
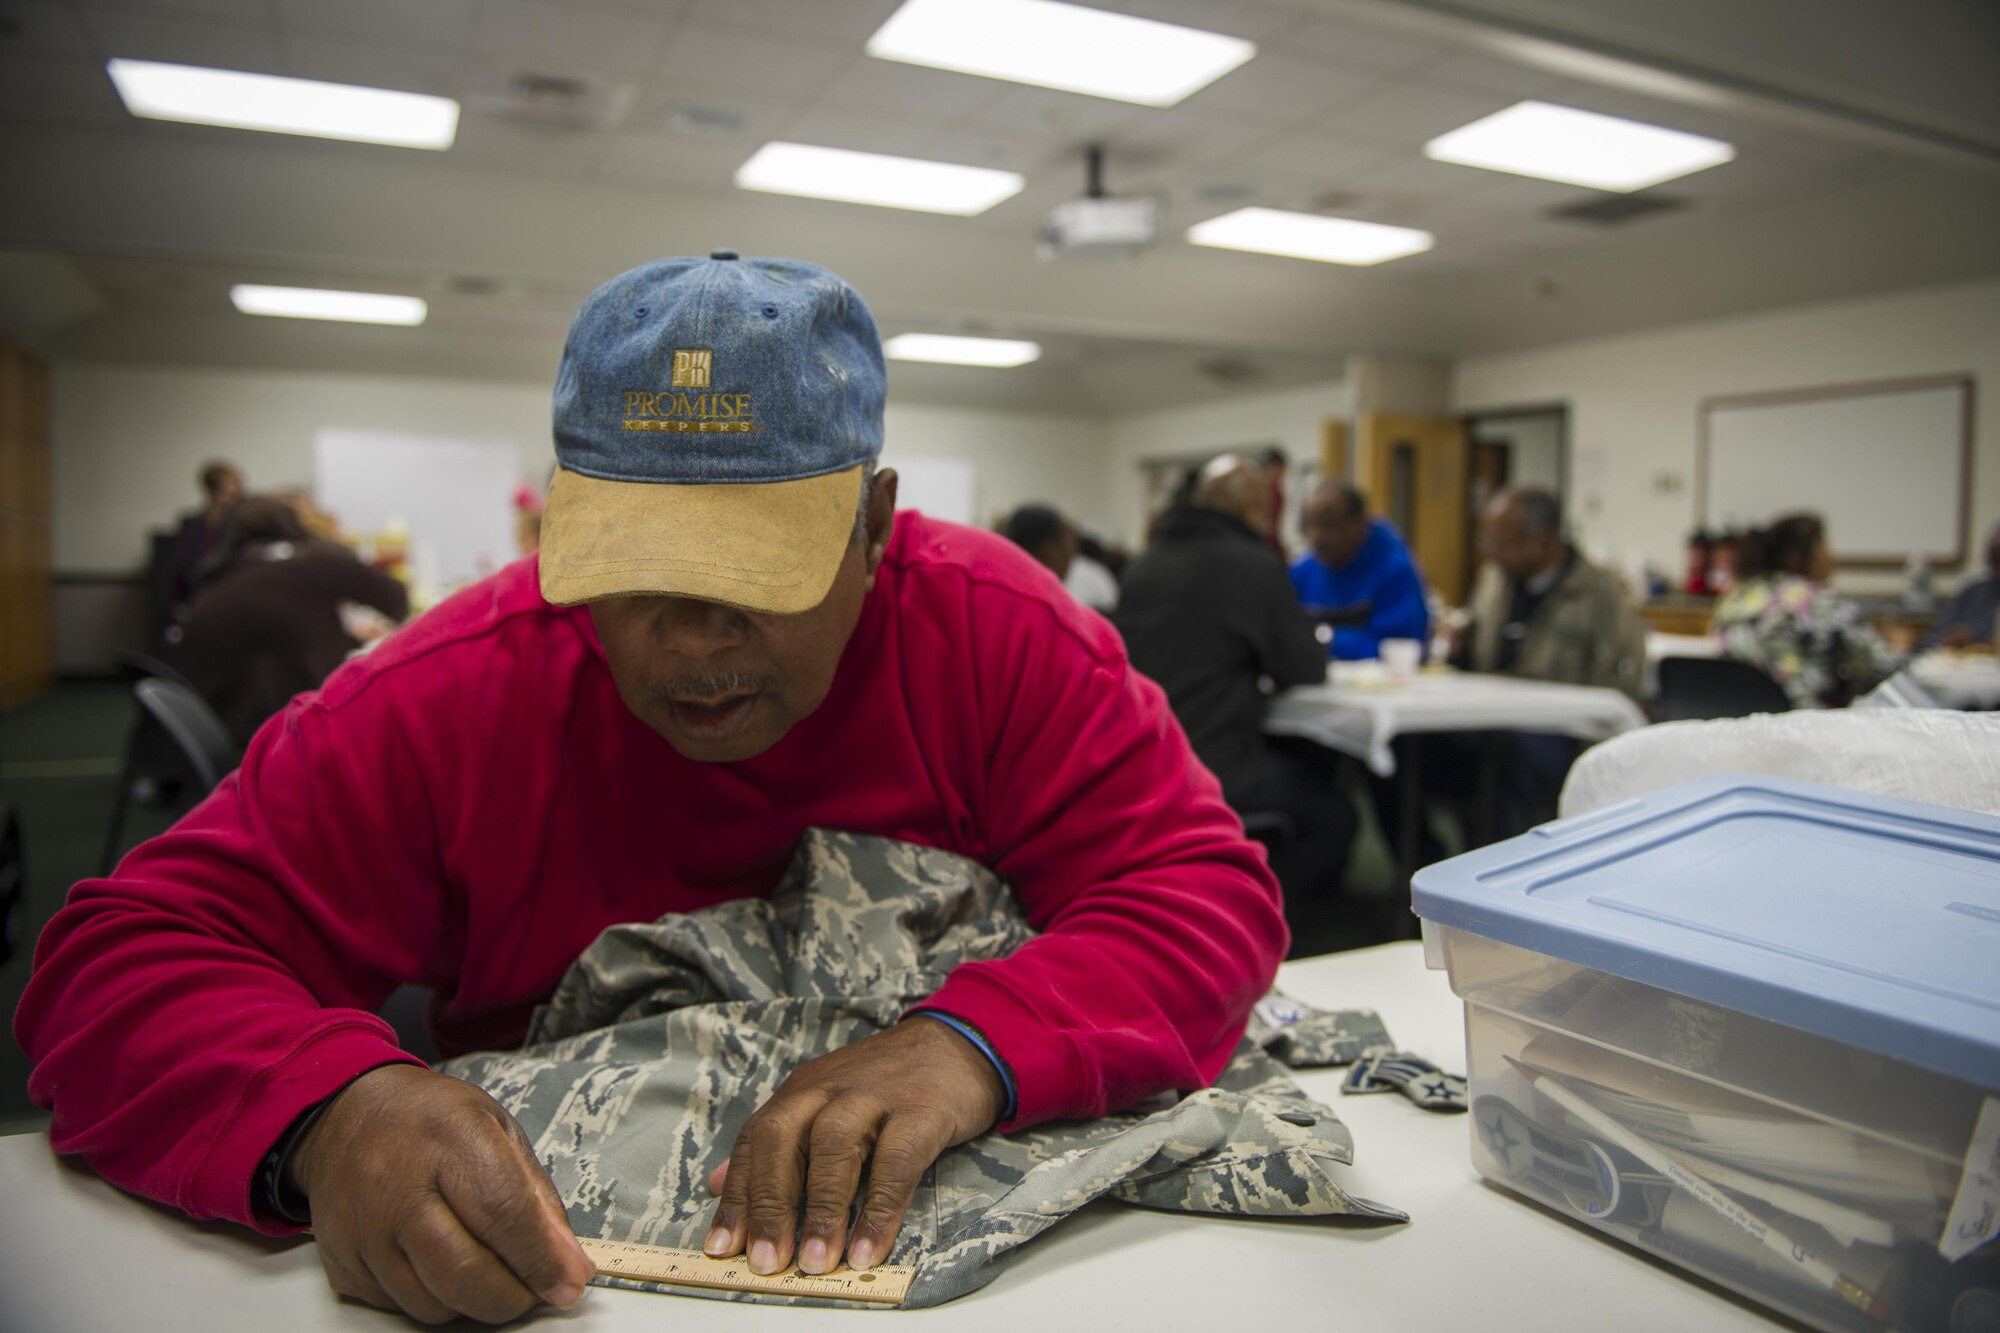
(1019, 457)
(129, 440)
(1290, 419)
(1634, 401)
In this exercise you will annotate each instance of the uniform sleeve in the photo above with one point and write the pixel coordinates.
(1160, 921)
(182, 1012)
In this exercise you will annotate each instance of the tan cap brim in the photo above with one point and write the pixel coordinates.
(772, 546)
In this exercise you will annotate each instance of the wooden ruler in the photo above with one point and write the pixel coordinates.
(885, 1284)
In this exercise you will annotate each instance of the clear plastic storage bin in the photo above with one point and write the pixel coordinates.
(1751, 1026)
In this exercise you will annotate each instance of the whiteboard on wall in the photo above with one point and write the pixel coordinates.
(456, 496)
(1886, 465)
(939, 486)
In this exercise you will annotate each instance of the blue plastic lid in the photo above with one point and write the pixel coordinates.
(1865, 919)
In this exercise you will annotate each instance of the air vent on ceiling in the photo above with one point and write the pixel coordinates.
(473, 284)
(1229, 371)
(558, 101)
(1615, 210)
(705, 122)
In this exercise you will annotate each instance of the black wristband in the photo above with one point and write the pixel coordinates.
(278, 1197)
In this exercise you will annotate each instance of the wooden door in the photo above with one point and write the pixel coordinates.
(1415, 473)
(27, 614)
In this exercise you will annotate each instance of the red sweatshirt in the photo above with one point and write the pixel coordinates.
(470, 804)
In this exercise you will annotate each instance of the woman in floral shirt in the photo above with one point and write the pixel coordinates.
(1782, 618)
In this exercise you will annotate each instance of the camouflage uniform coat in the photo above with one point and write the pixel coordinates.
(664, 1038)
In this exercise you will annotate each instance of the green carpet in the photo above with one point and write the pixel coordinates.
(59, 762)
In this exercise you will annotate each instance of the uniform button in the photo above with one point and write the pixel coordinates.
(723, 254)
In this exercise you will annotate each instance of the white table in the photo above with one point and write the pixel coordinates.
(1359, 711)
(1959, 680)
(77, 1255)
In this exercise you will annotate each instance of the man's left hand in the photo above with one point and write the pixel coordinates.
(900, 1098)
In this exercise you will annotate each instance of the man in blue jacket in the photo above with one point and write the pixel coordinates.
(1358, 576)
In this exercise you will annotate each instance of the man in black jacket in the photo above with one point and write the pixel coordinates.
(1209, 612)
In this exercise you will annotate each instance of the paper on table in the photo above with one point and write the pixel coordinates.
(1975, 1214)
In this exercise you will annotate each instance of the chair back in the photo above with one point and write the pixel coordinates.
(135, 667)
(1705, 687)
(198, 735)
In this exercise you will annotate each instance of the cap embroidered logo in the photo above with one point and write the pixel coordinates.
(691, 368)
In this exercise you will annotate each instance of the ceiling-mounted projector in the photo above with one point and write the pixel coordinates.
(1096, 224)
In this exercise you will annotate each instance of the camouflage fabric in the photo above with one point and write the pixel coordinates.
(664, 1037)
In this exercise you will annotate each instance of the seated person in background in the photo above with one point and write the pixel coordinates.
(1540, 611)
(1091, 579)
(1782, 618)
(266, 620)
(725, 640)
(1207, 612)
(1968, 618)
(1357, 575)
(1049, 537)
(1044, 534)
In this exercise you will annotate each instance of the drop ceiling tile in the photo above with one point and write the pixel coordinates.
(1239, 18)
(489, 142)
(1018, 109)
(849, 21)
(1359, 42)
(1407, 173)
(41, 88)
(148, 35)
(407, 67)
(1287, 90)
(44, 28)
(431, 22)
(1527, 196)
(671, 163)
(1308, 157)
(1489, 74)
(936, 96)
(862, 131)
(766, 67)
(569, 39)
(975, 148)
(1189, 133)
(241, 11)
(1408, 112)
(756, 119)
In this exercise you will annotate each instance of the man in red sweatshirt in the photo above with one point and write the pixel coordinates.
(730, 636)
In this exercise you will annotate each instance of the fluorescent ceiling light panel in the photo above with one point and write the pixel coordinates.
(1271, 231)
(1560, 143)
(1001, 353)
(317, 303)
(242, 101)
(871, 178)
(1061, 46)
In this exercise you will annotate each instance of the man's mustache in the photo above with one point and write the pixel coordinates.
(714, 683)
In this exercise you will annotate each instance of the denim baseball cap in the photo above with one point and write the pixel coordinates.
(712, 420)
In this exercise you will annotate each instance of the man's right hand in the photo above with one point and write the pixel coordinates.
(426, 1197)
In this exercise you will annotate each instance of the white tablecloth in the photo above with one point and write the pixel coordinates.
(75, 1255)
(1959, 680)
(1358, 711)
